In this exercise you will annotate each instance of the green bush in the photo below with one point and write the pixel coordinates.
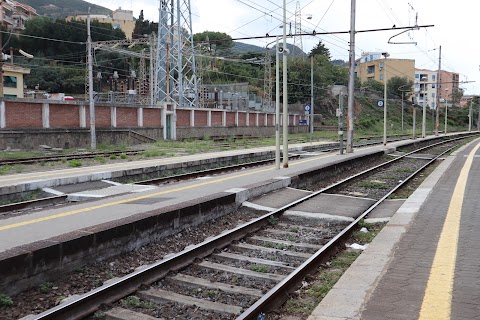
(74, 163)
(5, 301)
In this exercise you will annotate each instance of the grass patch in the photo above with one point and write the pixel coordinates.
(5, 301)
(372, 185)
(5, 169)
(45, 287)
(278, 246)
(154, 153)
(123, 156)
(113, 157)
(259, 268)
(100, 159)
(74, 163)
(406, 170)
(136, 302)
(272, 220)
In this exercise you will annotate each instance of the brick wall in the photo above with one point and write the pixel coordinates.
(183, 118)
(127, 118)
(102, 117)
(64, 116)
(217, 117)
(152, 117)
(230, 119)
(242, 119)
(201, 118)
(23, 115)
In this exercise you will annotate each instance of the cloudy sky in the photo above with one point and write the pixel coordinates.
(455, 26)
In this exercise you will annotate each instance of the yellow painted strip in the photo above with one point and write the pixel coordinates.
(437, 302)
(73, 212)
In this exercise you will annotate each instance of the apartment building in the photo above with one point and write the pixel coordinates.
(449, 84)
(13, 14)
(13, 83)
(371, 67)
(121, 19)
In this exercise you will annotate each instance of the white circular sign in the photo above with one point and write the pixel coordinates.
(307, 107)
(380, 103)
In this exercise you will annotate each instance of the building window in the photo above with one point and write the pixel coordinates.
(433, 94)
(417, 85)
(381, 76)
(433, 77)
(417, 76)
(9, 81)
(433, 85)
(371, 69)
(381, 65)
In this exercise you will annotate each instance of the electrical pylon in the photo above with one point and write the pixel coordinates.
(298, 28)
(175, 72)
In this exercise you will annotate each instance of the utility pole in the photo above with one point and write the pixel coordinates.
(437, 102)
(311, 98)
(351, 81)
(470, 116)
(93, 138)
(285, 79)
(277, 107)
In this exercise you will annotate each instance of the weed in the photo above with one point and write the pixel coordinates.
(212, 293)
(5, 301)
(344, 259)
(45, 287)
(136, 302)
(100, 159)
(278, 246)
(291, 238)
(123, 156)
(327, 281)
(99, 315)
(154, 153)
(294, 229)
(372, 185)
(5, 169)
(19, 168)
(272, 220)
(113, 157)
(259, 268)
(405, 169)
(64, 160)
(74, 163)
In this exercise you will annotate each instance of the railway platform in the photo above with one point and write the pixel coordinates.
(424, 263)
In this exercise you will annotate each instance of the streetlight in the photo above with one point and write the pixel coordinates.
(285, 94)
(386, 55)
(277, 103)
(424, 114)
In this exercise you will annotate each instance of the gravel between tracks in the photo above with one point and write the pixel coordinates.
(93, 275)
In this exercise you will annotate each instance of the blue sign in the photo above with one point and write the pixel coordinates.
(380, 103)
(307, 109)
(303, 122)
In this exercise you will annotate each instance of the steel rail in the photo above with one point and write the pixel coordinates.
(32, 203)
(279, 294)
(89, 302)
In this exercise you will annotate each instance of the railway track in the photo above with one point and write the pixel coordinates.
(89, 155)
(250, 269)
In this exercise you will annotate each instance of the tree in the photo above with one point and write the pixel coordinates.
(218, 41)
(320, 49)
(397, 85)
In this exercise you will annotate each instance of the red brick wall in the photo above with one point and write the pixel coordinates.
(152, 117)
(23, 115)
(102, 117)
(201, 118)
(127, 117)
(217, 118)
(183, 118)
(242, 119)
(64, 116)
(230, 119)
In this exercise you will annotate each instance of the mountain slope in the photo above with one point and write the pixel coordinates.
(63, 8)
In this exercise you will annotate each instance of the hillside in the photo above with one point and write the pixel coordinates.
(63, 8)
(241, 47)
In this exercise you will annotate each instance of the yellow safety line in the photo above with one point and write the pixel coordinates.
(73, 212)
(437, 302)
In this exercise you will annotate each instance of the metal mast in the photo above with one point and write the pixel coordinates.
(298, 28)
(267, 84)
(176, 78)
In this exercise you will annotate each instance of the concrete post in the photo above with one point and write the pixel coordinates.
(83, 116)
(113, 116)
(140, 117)
(192, 118)
(45, 115)
(3, 120)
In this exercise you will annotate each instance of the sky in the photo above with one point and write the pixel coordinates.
(455, 25)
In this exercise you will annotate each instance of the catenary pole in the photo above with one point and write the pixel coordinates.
(437, 102)
(285, 93)
(93, 138)
(351, 81)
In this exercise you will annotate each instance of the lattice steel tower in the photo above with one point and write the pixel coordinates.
(175, 73)
(298, 28)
